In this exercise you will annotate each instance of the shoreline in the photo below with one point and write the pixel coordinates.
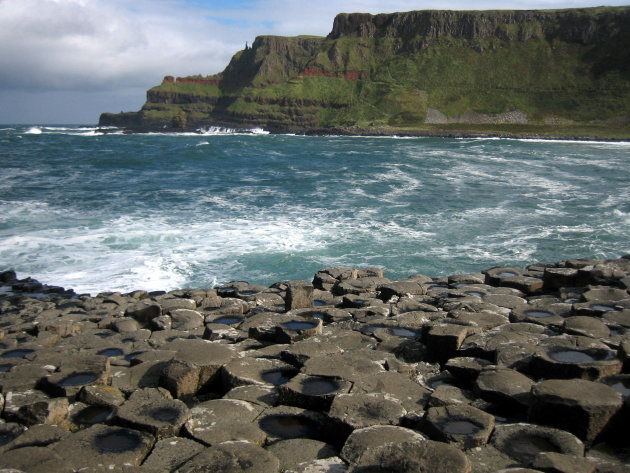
(505, 368)
(385, 132)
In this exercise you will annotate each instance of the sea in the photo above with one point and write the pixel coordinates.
(99, 210)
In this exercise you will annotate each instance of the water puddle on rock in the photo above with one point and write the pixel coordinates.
(319, 303)
(228, 320)
(5, 368)
(602, 307)
(78, 379)
(403, 332)
(538, 314)
(289, 427)
(460, 427)
(18, 353)
(319, 387)
(117, 441)
(298, 325)
(506, 274)
(571, 356)
(278, 377)
(475, 293)
(531, 445)
(111, 352)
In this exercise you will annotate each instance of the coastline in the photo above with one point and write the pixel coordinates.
(537, 133)
(506, 368)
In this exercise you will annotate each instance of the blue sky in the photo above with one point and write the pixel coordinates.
(66, 61)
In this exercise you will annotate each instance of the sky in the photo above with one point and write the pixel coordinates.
(66, 61)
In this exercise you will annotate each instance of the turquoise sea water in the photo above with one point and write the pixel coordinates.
(119, 212)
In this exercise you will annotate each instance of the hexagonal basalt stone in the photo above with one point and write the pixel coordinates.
(34, 459)
(9, 432)
(565, 362)
(524, 441)
(244, 371)
(413, 457)
(346, 365)
(363, 410)
(292, 452)
(69, 383)
(411, 394)
(363, 440)
(150, 410)
(587, 326)
(284, 422)
(221, 420)
(170, 453)
(232, 457)
(266, 396)
(505, 387)
(312, 392)
(104, 445)
(578, 406)
(464, 426)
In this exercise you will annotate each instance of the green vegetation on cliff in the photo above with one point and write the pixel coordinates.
(549, 72)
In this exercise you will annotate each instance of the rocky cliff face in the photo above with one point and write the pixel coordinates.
(410, 69)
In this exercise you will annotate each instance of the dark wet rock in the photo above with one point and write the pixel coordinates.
(356, 411)
(413, 457)
(364, 440)
(462, 425)
(222, 420)
(505, 387)
(578, 406)
(256, 394)
(292, 452)
(153, 411)
(561, 463)
(171, 453)
(232, 457)
(104, 445)
(312, 392)
(524, 442)
(566, 362)
(555, 278)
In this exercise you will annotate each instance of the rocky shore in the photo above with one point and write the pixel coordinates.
(508, 370)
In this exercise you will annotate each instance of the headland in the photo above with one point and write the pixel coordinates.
(539, 73)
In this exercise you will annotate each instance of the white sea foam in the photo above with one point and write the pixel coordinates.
(33, 131)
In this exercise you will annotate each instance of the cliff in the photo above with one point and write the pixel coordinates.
(414, 70)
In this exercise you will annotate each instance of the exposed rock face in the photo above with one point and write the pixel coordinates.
(547, 67)
(365, 392)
